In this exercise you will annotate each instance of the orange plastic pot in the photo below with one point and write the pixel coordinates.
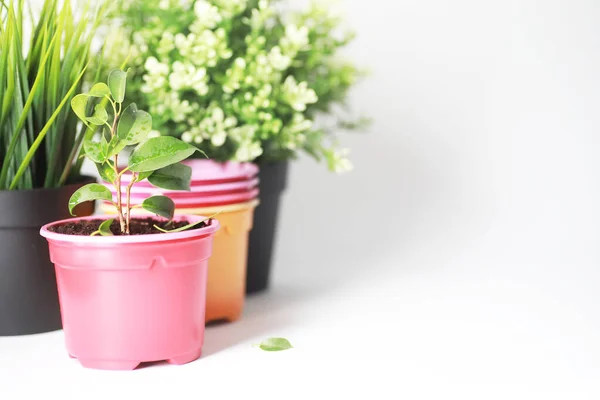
(227, 266)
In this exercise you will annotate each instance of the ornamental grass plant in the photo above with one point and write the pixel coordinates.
(43, 58)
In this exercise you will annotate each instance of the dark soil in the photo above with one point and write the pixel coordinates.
(138, 226)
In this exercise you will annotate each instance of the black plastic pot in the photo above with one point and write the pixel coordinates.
(273, 179)
(28, 295)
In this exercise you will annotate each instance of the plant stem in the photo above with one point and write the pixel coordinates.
(118, 180)
(134, 176)
(119, 203)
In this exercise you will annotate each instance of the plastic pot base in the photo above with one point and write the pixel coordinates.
(128, 365)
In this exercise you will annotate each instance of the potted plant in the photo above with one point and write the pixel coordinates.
(243, 81)
(39, 150)
(131, 289)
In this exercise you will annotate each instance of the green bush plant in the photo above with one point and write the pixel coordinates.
(240, 79)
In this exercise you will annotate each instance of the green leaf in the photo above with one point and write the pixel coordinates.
(79, 104)
(96, 151)
(99, 90)
(143, 175)
(117, 81)
(275, 344)
(104, 228)
(106, 172)
(159, 152)
(115, 146)
(93, 191)
(100, 115)
(172, 177)
(160, 205)
(25, 163)
(186, 227)
(134, 125)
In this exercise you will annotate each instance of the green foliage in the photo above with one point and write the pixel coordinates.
(42, 61)
(239, 79)
(183, 228)
(172, 177)
(159, 152)
(129, 126)
(134, 125)
(144, 175)
(106, 172)
(160, 205)
(98, 152)
(104, 228)
(117, 80)
(275, 344)
(90, 192)
(99, 90)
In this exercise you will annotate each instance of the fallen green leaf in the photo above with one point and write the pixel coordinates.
(275, 344)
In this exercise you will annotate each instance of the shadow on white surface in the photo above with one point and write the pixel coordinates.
(352, 227)
(264, 313)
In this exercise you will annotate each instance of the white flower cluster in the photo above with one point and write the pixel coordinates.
(295, 38)
(208, 16)
(338, 160)
(187, 76)
(249, 149)
(231, 8)
(213, 126)
(297, 95)
(168, 4)
(233, 94)
(293, 135)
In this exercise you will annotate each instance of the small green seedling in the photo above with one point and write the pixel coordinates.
(156, 159)
(183, 228)
(104, 228)
(275, 344)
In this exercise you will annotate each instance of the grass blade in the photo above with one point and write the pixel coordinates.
(44, 131)
(24, 115)
(40, 138)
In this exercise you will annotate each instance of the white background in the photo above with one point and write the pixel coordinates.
(459, 260)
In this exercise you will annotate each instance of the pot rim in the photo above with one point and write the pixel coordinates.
(210, 210)
(133, 239)
(197, 202)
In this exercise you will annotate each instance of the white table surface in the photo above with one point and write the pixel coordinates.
(393, 331)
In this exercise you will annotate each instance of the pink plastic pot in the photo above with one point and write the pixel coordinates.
(200, 200)
(131, 299)
(195, 191)
(205, 172)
